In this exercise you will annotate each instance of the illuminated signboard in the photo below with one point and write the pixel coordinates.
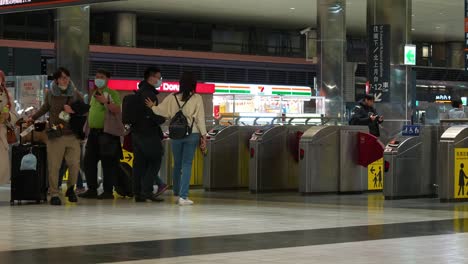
(410, 55)
(464, 100)
(256, 89)
(166, 87)
(443, 98)
(10, 6)
(217, 88)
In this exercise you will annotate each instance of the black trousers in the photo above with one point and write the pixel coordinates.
(110, 164)
(148, 152)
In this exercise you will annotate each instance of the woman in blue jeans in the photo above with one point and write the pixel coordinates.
(183, 150)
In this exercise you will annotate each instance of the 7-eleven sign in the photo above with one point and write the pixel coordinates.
(262, 90)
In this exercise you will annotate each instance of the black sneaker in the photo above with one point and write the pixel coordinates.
(106, 196)
(144, 198)
(71, 195)
(154, 198)
(89, 194)
(161, 189)
(55, 201)
(123, 193)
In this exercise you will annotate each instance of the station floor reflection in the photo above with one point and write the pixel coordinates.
(237, 227)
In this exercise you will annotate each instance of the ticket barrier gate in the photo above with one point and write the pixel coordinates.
(453, 164)
(329, 160)
(226, 163)
(165, 172)
(274, 158)
(412, 170)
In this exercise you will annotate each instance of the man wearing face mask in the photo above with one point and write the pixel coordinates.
(103, 99)
(146, 139)
(65, 144)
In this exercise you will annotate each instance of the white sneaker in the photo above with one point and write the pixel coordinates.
(183, 202)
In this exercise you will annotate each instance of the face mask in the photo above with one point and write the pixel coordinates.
(63, 88)
(99, 83)
(158, 84)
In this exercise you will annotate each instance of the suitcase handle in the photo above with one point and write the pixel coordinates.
(20, 123)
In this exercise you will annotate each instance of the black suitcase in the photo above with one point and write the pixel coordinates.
(124, 181)
(29, 185)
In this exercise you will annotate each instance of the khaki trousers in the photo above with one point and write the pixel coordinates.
(68, 148)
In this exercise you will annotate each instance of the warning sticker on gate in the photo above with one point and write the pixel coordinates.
(375, 175)
(461, 173)
(127, 157)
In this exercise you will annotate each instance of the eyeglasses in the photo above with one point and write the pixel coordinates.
(160, 78)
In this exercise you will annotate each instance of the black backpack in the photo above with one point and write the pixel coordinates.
(131, 108)
(179, 127)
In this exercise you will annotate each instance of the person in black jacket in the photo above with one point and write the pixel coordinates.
(364, 114)
(146, 139)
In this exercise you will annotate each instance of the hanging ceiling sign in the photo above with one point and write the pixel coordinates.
(12, 6)
(379, 62)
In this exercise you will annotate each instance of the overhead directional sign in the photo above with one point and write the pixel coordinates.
(410, 55)
(379, 62)
(11, 6)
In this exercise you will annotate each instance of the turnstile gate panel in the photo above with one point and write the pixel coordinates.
(353, 177)
(453, 164)
(220, 166)
(318, 165)
(273, 165)
(226, 162)
(328, 161)
(402, 180)
(412, 166)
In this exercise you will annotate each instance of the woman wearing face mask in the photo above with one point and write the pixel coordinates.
(7, 118)
(64, 144)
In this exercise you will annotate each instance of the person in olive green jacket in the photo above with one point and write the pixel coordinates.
(66, 144)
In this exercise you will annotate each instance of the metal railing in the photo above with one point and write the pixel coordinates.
(283, 120)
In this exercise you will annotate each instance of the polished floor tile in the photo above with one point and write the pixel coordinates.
(225, 222)
(427, 250)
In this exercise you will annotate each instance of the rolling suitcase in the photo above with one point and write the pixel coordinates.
(124, 181)
(29, 185)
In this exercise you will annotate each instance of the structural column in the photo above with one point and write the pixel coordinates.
(125, 33)
(398, 110)
(331, 25)
(72, 43)
(455, 55)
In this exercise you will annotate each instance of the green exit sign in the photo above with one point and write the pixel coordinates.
(410, 54)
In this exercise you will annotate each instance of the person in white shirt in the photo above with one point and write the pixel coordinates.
(457, 111)
(184, 149)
